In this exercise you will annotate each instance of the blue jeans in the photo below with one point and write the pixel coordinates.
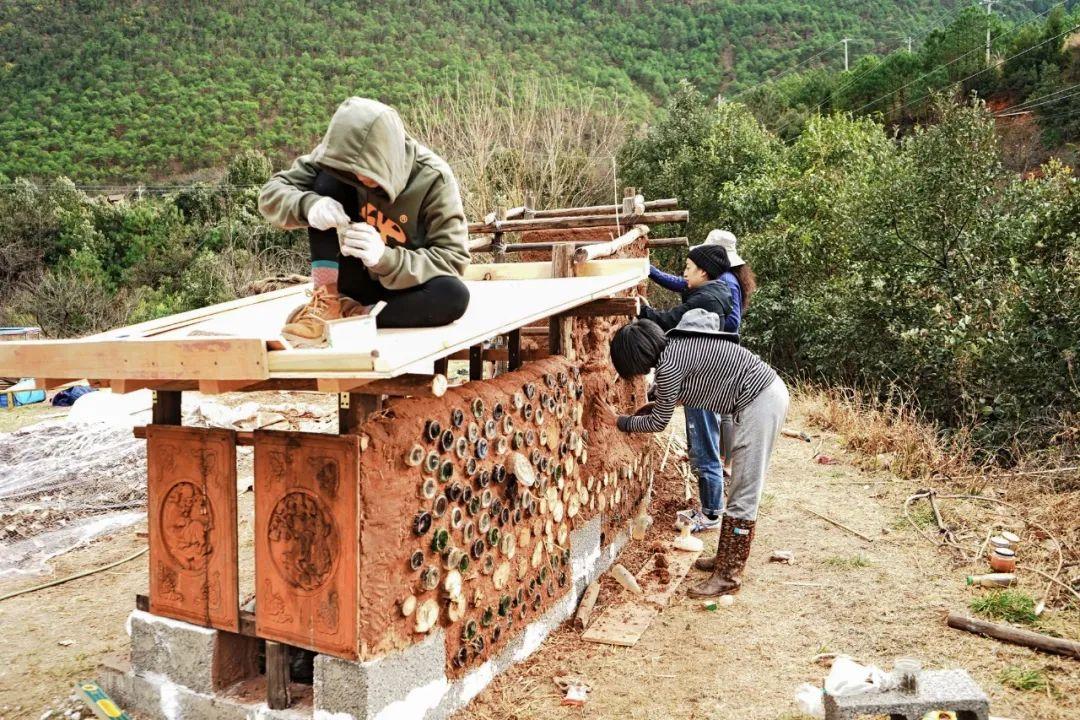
(703, 440)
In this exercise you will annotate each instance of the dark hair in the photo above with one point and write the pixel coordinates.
(747, 282)
(636, 348)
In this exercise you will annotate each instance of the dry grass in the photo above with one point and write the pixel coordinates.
(889, 435)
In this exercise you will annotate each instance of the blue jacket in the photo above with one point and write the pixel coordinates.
(676, 284)
(714, 296)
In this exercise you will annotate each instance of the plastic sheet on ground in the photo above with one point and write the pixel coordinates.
(30, 555)
(846, 677)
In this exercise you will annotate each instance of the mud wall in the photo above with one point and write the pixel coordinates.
(467, 502)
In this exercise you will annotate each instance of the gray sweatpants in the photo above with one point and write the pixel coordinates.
(754, 433)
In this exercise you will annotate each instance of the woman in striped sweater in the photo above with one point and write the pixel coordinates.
(697, 365)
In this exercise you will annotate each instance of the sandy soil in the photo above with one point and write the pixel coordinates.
(740, 662)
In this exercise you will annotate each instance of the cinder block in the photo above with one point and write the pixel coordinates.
(406, 684)
(198, 658)
(585, 553)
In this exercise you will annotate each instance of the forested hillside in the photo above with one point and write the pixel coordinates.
(105, 91)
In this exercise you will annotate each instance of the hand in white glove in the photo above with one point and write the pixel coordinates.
(363, 241)
(327, 213)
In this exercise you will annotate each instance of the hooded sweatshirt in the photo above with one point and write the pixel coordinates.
(713, 296)
(416, 207)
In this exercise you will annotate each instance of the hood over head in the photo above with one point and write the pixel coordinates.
(366, 137)
(699, 321)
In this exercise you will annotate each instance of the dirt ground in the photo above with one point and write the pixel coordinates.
(873, 600)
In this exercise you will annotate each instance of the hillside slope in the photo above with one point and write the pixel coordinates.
(103, 91)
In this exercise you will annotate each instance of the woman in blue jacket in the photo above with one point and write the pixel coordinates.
(708, 435)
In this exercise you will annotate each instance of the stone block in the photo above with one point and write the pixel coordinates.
(407, 683)
(198, 658)
(948, 690)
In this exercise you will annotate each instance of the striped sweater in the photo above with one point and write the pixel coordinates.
(704, 372)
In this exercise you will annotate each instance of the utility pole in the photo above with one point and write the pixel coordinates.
(987, 3)
(845, 41)
(909, 44)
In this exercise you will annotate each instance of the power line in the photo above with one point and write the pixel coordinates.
(961, 57)
(980, 72)
(948, 17)
(1025, 106)
(782, 74)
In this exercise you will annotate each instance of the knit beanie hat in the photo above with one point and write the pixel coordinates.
(712, 259)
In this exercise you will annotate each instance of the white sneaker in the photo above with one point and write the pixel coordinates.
(696, 520)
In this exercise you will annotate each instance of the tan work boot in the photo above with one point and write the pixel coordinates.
(732, 551)
(306, 325)
(351, 308)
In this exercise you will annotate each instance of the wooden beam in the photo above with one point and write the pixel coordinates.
(244, 438)
(277, 676)
(547, 246)
(201, 358)
(652, 205)
(606, 307)
(580, 221)
(408, 385)
(561, 327)
(216, 387)
(354, 409)
(166, 407)
(592, 252)
(541, 270)
(123, 386)
(513, 350)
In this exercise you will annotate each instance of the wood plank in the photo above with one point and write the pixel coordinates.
(547, 246)
(579, 221)
(624, 622)
(307, 540)
(277, 676)
(143, 359)
(496, 308)
(621, 624)
(661, 204)
(561, 327)
(191, 501)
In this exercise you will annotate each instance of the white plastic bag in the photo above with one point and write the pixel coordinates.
(846, 677)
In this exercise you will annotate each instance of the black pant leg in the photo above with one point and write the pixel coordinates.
(439, 301)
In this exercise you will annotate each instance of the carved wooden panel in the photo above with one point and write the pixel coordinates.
(191, 497)
(306, 540)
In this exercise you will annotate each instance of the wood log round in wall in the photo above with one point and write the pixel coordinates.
(408, 605)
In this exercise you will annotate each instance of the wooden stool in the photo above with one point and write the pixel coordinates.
(950, 690)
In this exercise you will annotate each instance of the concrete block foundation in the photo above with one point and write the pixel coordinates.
(177, 670)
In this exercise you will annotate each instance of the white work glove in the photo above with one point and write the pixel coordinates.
(363, 241)
(327, 213)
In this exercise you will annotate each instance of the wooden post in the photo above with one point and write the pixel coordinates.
(442, 366)
(561, 327)
(628, 200)
(166, 407)
(513, 348)
(353, 410)
(277, 676)
(476, 362)
(530, 205)
(498, 242)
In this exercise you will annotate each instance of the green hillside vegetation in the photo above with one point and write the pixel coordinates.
(1035, 67)
(127, 92)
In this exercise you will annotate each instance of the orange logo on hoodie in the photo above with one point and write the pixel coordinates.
(391, 232)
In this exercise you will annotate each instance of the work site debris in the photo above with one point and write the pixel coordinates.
(575, 687)
(787, 557)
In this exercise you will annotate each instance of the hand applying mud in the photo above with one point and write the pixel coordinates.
(609, 417)
(363, 241)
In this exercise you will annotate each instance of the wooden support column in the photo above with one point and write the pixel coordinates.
(476, 362)
(513, 349)
(277, 676)
(498, 241)
(353, 410)
(166, 407)
(561, 327)
(442, 366)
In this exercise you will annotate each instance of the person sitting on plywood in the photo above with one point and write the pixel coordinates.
(385, 223)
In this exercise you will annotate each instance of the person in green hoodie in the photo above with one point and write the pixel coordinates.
(385, 223)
